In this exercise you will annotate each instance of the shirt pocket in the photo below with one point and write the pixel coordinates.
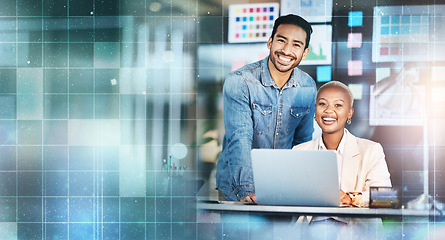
(296, 114)
(262, 117)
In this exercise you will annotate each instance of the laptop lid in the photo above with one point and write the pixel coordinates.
(295, 177)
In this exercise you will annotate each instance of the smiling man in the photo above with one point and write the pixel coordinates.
(267, 104)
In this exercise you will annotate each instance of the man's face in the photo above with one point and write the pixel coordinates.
(287, 48)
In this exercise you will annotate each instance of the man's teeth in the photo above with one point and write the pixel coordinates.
(329, 119)
(284, 59)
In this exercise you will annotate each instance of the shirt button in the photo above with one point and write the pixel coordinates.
(280, 114)
(298, 114)
(276, 134)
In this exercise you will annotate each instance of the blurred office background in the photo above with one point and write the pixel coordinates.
(111, 111)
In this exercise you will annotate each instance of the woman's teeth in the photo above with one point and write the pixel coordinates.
(329, 119)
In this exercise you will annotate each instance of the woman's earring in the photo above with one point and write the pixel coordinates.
(348, 121)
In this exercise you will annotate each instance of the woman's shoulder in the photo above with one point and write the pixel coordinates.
(366, 144)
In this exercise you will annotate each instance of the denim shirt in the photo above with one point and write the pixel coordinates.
(258, 114)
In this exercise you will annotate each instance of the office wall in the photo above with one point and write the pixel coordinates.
(407, 145)
(410, 136)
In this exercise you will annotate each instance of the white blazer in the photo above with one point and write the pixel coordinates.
(363, 165)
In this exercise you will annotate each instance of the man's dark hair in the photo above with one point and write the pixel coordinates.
(294, 20)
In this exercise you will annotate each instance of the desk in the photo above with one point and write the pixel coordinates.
(234, 220)
(237, 207)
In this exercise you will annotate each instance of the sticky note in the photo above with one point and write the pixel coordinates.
(354, 40)
(355, 68)
(381, 73)
(357, 90)
(236, 64)
(324, 73)
(438, 73)
(355, 19)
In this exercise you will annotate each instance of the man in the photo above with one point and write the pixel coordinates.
(267, 104)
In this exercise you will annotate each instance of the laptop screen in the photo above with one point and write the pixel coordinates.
(295, 177)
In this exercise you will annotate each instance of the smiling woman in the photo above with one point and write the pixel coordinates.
(332, 110)
(361, 163)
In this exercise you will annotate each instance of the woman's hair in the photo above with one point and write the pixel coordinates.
(340, 85)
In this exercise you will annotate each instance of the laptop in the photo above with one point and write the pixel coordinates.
(296, 177)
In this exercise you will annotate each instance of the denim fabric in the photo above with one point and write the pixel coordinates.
(258, 114)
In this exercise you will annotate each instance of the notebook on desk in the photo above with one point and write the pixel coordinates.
(296, 178)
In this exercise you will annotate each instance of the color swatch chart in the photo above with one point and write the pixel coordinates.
(402, 33)
(251, 22)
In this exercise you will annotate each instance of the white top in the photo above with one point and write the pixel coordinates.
(339, 152)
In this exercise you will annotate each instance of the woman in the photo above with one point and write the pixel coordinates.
(361, 162)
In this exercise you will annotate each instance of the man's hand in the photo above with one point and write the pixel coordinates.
(249, 198)
(345, 199)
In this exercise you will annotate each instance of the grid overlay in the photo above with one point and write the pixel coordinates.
(81, 99)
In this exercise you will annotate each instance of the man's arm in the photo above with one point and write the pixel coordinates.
(239, 135)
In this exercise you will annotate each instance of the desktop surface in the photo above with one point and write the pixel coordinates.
(239, 207)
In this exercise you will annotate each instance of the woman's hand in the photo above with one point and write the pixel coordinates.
(249, 198)
(345, 198)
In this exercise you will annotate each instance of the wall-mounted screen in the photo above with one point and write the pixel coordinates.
(408, 33)
(320, 46)
(311, 10)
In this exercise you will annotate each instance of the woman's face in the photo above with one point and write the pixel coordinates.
(332, 109)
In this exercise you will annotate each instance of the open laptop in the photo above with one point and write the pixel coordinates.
(296, 178)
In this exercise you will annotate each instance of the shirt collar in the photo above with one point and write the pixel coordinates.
(266, 78)
(341, 145)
